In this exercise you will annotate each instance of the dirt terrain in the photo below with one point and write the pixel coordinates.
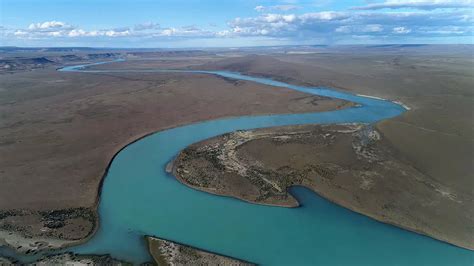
(69, 259)
(59, 131)
(167, 253)
(14, 64)
(351, 165)
(436, 82)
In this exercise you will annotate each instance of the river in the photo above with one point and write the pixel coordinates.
(139, 198)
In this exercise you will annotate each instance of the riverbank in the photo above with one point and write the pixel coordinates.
(166, 252)
(351, 165)
(441, 189)
(56, 161)
(435, 86)
(69, 258)
(32, 232)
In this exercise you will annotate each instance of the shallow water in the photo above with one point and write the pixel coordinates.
(139, 198)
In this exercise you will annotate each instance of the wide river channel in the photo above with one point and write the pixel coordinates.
(139, 198)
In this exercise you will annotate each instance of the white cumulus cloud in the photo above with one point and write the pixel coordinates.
(326, 25)
(401, 30)
(48, 25)
(146, 26)
(275, 8)
(418, 4)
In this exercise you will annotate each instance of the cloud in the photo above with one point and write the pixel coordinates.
(327, 26)
(259, 8)
(58, 29)
(418, 4)
(38, 30)
(76, 33)
(184, 32)
(332, 25)
(146, 26)
(275, 8)
(448, 30)
(371, 28)
(49, 25)
(20, 33)
(114, 33)
(148, 30)
(401, 30)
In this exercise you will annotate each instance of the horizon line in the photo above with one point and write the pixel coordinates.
(237, 47)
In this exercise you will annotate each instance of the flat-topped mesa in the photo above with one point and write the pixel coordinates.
(166, 252)
(351, 165)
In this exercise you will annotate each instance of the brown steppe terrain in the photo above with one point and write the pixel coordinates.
(352, 165)
(437, 134)
(59, 132)
(435, 137)
(69, 258)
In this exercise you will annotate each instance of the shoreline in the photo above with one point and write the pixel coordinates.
(376, 218)
(137, 138)
(213, 192)
(170, 165)
(67, 258)
(149, 238)
(403, 105)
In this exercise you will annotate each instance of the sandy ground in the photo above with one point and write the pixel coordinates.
(59, 131)
(351, 165)
(166, 253)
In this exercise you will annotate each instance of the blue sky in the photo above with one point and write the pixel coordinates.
(213, 23)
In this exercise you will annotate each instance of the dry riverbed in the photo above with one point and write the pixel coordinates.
(351, 165)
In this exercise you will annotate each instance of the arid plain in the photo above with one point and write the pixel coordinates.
(59, 131)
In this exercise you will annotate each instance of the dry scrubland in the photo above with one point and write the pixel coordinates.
(435, 137)
(166, 252)
(65, 127)
(351, 165)
(59, 131)
(436, 134)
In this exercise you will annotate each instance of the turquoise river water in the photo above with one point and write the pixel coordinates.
(139, 198)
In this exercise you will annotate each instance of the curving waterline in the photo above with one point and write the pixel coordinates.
(139, 198)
